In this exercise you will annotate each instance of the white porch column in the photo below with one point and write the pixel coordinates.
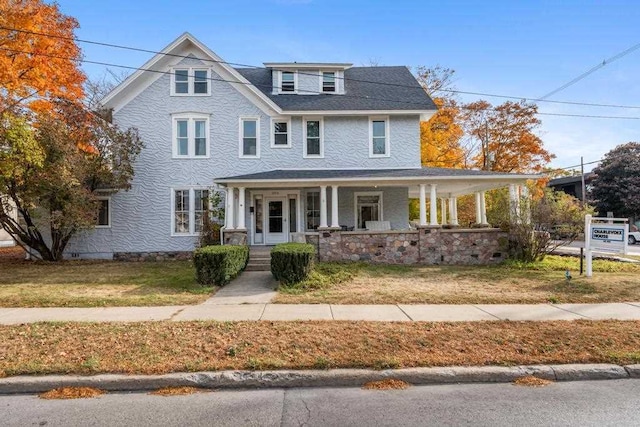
(443, 211)
(433, 200)
(323, 206)
(454, 210)
(229, 216)
(241, 211)
(423, 207)
(524, 193)
(483, 209)
(334, 207)
(514, 203)
(478, 209)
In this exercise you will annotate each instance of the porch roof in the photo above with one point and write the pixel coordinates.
(450, 182)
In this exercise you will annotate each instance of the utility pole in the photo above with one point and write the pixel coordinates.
(584, 195)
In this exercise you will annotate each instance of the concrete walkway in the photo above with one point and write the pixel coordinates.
(401, 312)
(251, 287)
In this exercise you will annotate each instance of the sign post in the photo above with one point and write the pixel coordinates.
(608, 234)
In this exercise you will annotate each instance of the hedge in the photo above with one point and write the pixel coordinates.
(217, 265)
(292, 262)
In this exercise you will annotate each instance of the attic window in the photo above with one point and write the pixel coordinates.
(288, 83)
(328, 81)
(182, 81)
(190, 81)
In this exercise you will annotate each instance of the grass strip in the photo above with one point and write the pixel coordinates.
(163, 347)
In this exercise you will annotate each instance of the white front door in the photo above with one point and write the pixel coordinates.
(277, 214)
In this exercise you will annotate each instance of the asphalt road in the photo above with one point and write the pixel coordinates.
(574, 248)
(582, 403)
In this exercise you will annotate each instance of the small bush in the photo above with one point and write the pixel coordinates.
(292, 262)
(219, 264)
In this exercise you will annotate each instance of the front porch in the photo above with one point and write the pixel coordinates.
(364, 215)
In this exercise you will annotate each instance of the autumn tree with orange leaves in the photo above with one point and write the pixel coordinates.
(440, 136)
(505, 138)
(56, 156)
(35, 69)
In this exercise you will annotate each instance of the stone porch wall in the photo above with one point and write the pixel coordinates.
(424, 246)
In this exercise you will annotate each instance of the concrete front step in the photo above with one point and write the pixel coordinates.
(258, 267)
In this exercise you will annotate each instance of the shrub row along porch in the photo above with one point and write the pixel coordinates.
(364, 214)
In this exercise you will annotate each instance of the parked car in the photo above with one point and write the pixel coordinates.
(634, 237)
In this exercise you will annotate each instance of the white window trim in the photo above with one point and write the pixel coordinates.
(241, 137)
(295, 82)
(335, 81)
(191, 135)
(275, 120)
(108, 198)
(304, 137)
(192, 210)
(190, 81)
(355, 205)
(387, 144)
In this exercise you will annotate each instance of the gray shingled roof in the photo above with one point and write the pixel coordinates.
(366, 88)
(287, 174)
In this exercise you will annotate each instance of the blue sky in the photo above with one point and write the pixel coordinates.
(520, 48)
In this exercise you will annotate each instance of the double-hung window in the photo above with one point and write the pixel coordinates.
(313, 138)
(189, 207)
(181, 223)
(280, 133)
(379, 137)
(190, 136)
(249, 137)
(287, 81)
(312, 209)
(328, 81)
(201, 207)
(104, 212)
(190, 81)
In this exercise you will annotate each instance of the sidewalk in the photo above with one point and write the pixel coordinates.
(400, 312)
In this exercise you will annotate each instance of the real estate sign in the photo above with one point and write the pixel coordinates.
(608, 234)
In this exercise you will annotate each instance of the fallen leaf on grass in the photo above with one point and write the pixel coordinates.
(531, 381)
(177, 391)
(389, 384)
(71, 393)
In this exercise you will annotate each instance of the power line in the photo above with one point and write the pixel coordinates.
(299, 90)
(117, 46)
(526, 99)
(592, 70)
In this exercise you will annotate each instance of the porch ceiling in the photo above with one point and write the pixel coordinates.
(450, 182)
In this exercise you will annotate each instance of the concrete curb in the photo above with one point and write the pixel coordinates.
(316, 378)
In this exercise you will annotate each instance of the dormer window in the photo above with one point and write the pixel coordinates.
(190, 81)
(329, 81)
(288, 82)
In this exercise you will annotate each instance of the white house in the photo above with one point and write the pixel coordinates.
(325, 152)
